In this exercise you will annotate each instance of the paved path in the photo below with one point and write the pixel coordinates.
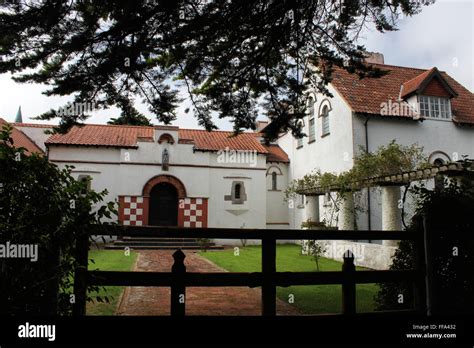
(199, 301)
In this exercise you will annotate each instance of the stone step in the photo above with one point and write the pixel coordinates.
(157, 243)
(154, 247)
(160, 239)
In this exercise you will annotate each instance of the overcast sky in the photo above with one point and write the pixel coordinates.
(442, 36)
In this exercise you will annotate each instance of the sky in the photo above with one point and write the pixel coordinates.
(442, 35)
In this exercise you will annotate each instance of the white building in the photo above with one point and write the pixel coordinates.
(164, 175)
(408, 105)
(167, 176)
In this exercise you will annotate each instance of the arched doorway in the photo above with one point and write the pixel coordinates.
(163, 210)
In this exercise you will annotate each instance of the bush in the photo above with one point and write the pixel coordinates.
(450, 223)
(45, 206)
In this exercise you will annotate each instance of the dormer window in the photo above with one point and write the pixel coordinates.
(435, 107)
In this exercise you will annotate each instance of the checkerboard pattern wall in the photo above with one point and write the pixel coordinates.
(193, 212)
(132, 210)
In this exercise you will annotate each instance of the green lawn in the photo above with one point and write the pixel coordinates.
(310, 299)
(109, 260)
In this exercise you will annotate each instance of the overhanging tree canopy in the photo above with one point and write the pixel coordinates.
(231, 56)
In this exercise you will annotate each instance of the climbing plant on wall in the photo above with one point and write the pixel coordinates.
(388, 159)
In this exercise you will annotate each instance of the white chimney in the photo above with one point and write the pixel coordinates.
(261, 124)
(374, 57)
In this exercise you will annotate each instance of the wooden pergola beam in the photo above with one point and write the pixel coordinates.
(450, 169)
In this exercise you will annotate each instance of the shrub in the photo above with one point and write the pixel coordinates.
(42, 205)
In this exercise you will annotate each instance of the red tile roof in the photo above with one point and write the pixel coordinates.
(32, 125)
(101, 135)
(220, 140)
(276, 154)
(20, 139)
(412, 85)
(128, 136)
(367, 95)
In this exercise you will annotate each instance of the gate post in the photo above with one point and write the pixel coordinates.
(178, 287)
(80, 276)
(348, 286)
(268, 275)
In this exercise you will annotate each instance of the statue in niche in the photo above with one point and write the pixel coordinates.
(165, 159)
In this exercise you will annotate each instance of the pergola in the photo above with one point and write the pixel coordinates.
(391, 193)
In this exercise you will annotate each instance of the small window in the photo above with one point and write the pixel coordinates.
(299, 142)
(435, 107)
(237, 191)
(86, 179)
(274, 181)
(325, 120)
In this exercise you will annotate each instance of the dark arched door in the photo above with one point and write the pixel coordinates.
(163, 210)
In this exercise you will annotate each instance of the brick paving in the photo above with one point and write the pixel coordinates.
(199, 301)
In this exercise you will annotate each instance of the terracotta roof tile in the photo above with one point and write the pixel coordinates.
(102, 135)
(276, 154)
(127, 136)
(20, 139)
(412, 85)
(366, 95)
(220, 140)
(32, 125)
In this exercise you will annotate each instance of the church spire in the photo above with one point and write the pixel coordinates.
(18, 118)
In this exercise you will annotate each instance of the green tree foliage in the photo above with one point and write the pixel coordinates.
(132, 119)
(232, 57)
(42, 205)
(388, 159)
(450, 223)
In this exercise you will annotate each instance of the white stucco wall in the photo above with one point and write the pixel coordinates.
(277, 206)
(330, 153)
(335, 152)
(126, 171)
(37, 134)
(432, 135)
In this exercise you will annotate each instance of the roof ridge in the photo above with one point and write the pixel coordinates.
(424, 72)
(214, 131)
(407, 67)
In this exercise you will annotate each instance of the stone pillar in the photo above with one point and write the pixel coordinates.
(391, 213)
(346, 212)
(312, 209)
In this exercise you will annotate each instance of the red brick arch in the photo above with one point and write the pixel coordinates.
(168, 179)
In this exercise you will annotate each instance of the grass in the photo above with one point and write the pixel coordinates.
(309, 299)
(108, 260)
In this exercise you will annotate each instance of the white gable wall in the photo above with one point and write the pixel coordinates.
(331, 153)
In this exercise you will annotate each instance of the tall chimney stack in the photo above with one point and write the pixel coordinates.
(374, 57)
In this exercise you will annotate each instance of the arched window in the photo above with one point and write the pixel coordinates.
(299, 142)
(312, 119)
(325, 120)
(237, 191)
(274, 181)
